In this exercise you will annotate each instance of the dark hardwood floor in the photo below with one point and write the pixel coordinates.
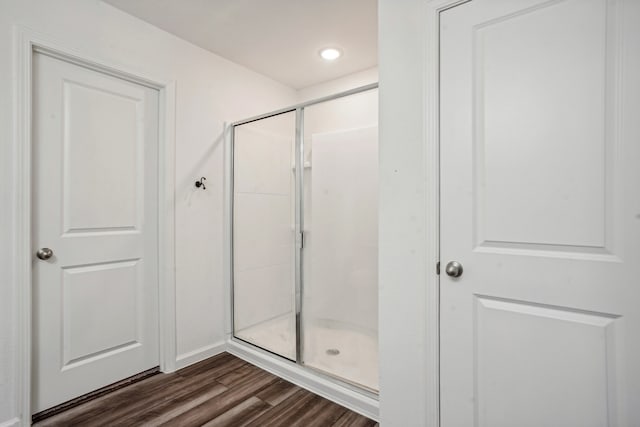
(220, 391)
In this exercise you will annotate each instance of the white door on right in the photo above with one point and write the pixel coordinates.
(540, 204)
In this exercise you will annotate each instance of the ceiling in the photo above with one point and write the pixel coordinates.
(277, 38)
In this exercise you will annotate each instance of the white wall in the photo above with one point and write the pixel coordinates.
(403, 212)
(211, 90)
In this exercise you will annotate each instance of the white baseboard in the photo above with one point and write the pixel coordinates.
(300, 376)
(186, 359)
(13, 422)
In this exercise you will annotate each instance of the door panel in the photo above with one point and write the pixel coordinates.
(558, 354)
(536, 118)
(538, 165)
(116, 282)
(95, 205)
(107, 167)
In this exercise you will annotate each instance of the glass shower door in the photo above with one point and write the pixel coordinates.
(264, 312)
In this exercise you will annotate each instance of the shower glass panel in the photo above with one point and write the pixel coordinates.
(340, 256)
(264, 312)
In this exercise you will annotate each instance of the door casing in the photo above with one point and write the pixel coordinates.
(26, 42)
(431, 143)
(427, 389)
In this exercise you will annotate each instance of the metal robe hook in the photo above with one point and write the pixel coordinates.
(200, 183)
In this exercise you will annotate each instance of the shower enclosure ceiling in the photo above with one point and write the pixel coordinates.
(305, 235)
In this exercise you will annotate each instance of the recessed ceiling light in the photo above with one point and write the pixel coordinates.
(330, 54)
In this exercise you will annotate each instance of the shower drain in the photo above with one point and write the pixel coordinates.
(333, 351)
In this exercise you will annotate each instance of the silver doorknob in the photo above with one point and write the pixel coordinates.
(44, 253)
(454, 269)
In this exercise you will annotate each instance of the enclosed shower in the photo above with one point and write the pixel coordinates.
(305, 235)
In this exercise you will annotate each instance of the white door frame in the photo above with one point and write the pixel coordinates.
(26, 42)
(431, 135)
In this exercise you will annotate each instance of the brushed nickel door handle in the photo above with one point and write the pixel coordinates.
(454, 269)
(44, 253)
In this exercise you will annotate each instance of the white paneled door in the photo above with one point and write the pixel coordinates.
(540, 205)
(95, 186)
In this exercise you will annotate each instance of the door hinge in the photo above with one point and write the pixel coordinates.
(438, 268)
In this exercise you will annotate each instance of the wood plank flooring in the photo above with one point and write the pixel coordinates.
(221, 391)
